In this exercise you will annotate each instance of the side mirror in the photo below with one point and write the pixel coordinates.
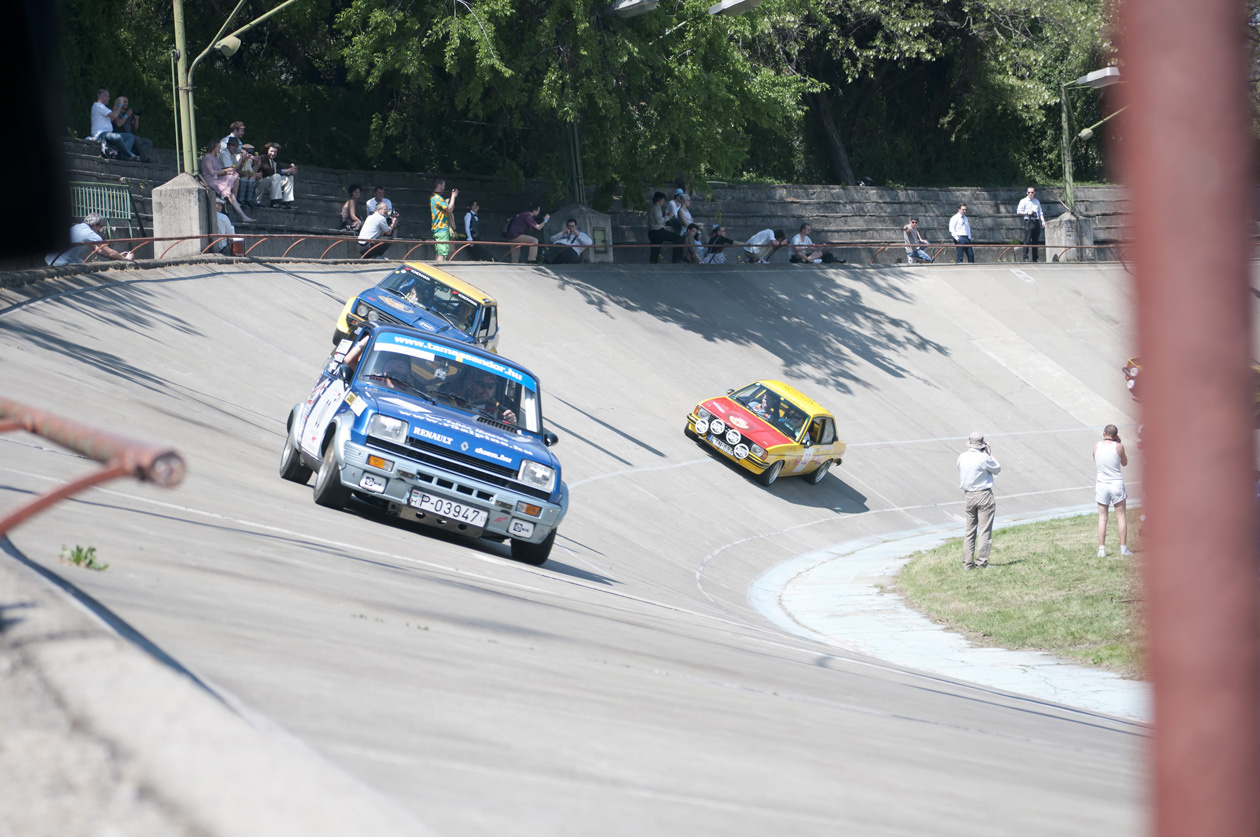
(550, 438)
(729, 391)
(809, 443)
(345, 373)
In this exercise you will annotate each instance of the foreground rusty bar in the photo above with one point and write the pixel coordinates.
(1189, 163)
(121, 457)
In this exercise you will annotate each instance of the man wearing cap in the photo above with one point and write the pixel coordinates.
(976, 467)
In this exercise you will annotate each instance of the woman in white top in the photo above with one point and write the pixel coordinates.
(1109, 457)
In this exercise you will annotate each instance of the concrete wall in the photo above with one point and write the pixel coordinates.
(856, 215)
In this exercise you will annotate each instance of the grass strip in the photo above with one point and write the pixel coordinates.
(1045, 589)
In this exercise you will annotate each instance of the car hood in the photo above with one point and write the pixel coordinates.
(749, 424)
(412, 315)
(458, 432)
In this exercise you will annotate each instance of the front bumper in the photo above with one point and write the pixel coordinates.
(392, 488)
(750, 462)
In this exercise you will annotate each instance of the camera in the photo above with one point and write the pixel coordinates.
(393, 213)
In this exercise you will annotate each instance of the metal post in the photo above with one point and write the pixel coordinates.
(1065, 144)
(1188, 159)
(573, 163)
(184, 105)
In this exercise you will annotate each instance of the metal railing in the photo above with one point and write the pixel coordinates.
(245, 244)
(121, 457)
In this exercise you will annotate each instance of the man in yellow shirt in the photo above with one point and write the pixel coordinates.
(441, 211)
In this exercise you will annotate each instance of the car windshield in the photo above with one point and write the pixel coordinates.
(434, 295)
(777, 411)
(482, 388)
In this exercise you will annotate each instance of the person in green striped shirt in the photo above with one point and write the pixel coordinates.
(441, 211)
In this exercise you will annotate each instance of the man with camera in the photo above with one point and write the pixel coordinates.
(126, 122)
(976, 467)
(380, 224)
(441, 212)
(1033, 219)
(104, 131)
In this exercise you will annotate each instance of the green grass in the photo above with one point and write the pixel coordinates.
(1045, 589)
(83, 556)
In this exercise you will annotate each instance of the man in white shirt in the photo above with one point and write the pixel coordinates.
(960, 231)
(380, 224)
(225, 227)
(569, 244)
(86, 234)
(377, 198)
(1033, 219)
(803, 251)
(103, 127)
(236, 129)
(976, 467)
(761, 246)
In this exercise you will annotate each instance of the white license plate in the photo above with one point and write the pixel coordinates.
(721, 445)
(448, 509)
(521, 528)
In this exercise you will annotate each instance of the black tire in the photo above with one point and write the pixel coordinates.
(768, 476)
(291, 467)
(329, 491)
(338, 336)
(820, 473)
(690, 434)
(533, 553)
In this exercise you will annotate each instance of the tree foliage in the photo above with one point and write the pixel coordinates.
(911, 91)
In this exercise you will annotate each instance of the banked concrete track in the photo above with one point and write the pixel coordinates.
(627, 686)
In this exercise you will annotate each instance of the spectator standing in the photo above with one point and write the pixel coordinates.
(761, 246)
(472, 232)
(441, 213)
(380, 224)
(569, 244)
(683, 212)
(915, 243)
(516, 234)
(976, 467)
(221, 180)
(1033, 219)
(86, 234)
(803, 250)
(718, 242)
(378, 195)
(126, 122)
(1109, 457)
(276, 177)
(960, 231)
(102, 117)
(350, 220)
(658, 232)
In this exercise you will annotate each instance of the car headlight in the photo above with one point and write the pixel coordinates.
(1133, 371)
(537, 474)
(388, 428)
(361, 309)
(757, 451)
(703, 414)
(373, 315)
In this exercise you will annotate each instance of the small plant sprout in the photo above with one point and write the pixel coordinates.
(82, 556)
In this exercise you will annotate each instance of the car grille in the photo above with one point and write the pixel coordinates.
(461, 463)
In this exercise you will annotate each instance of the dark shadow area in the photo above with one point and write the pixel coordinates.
(552, 424)
(807, 317)
(833, 493)
(7, 621)
(634, 440)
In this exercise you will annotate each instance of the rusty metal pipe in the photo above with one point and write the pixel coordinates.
(1189, 163)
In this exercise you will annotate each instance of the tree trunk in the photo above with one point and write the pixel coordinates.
(835, 145)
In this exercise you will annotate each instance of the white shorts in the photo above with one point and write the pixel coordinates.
(1109, 493)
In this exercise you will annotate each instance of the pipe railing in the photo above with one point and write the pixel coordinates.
(121, 457)
(1104, 252)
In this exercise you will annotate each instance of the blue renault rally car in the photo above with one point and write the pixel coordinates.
(434, 431)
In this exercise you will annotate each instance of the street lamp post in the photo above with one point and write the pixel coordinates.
(1098, 78)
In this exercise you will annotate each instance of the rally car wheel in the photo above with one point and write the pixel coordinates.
(338, 336)
(768, 476)
(328, 488)
(690, 434)
(819, 473)
(291, 467)
(533, 553)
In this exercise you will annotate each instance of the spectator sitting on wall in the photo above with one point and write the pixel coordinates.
(126, 122)
(525, 220)
(569, 244)
(85, 234)
(350, 220)
(112, 142)
(718, 242)
(803, 250)
(761, 246)
(378, 195)
(380, 224)
(915, 243)
(247, 168)
(221, 180)
(691, 248)
(237, 129)
(224, 225)
(276, 177)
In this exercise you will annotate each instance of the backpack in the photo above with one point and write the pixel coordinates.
(108, 151)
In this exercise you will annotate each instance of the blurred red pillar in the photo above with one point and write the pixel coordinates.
(1188, 162)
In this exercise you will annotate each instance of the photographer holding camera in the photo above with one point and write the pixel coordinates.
(380, 224)
(976, 467)
(126, 122)
(1033, 219)
(441, 211)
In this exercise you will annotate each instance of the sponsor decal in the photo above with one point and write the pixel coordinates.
(403, 406)
(739, 422)
(500, 369)
(492, 455)
(429, 434)
(318, 391)
(355, 403)
(396, 304)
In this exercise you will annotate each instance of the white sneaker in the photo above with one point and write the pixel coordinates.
(1102, 552)
(1124, 550)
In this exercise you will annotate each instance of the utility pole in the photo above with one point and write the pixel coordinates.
(183, 105)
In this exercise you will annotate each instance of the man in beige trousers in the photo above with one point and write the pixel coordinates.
(976, 467)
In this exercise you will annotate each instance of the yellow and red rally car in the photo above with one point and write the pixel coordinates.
(770, 429)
